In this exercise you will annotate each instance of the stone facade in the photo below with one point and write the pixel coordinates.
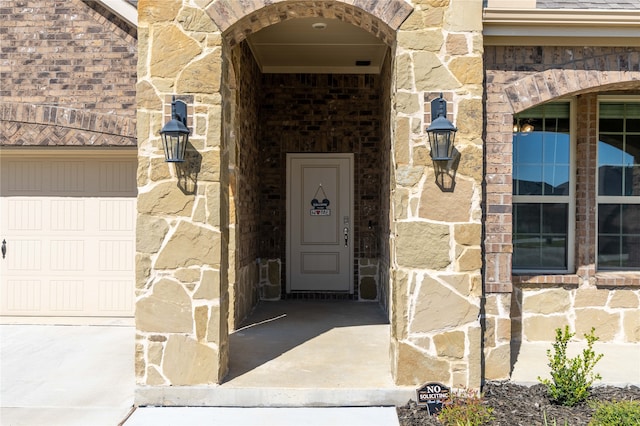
(205, 256)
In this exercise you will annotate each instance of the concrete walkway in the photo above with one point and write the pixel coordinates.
(65, 375)
(84, 375)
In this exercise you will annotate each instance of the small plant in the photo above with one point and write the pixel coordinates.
(553, 422)
(571, 378)
(621, 413)
(465, 409)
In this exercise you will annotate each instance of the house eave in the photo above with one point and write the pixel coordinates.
(123, 9)
(568, 27)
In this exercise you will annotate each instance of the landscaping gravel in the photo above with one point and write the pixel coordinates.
(517, 405)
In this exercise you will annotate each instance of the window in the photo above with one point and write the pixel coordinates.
(618, 185)
(543, 200)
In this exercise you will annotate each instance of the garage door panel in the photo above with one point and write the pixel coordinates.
(66, 296)
(67, 215)
(24, 256)
(115, 296)
(70, 232)
(67, 177)
(24, 215)
(23, 296)
(67, 255)
(116, 215)
(116, 255)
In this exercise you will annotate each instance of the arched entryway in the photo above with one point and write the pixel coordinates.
(308, 93)
(212, 232)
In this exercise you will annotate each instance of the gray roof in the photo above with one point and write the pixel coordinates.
(588, 4)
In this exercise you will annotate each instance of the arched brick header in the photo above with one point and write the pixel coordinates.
(43, 125)
(238, 19)
(520, 78)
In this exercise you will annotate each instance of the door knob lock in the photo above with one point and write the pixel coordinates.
(346, 236)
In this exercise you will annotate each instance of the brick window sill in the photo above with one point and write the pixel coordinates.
(555, 279)
(603, 279)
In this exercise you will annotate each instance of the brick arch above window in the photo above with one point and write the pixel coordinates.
(518, 80)
(238, 19)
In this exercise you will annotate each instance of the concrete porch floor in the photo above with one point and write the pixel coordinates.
(302, 352)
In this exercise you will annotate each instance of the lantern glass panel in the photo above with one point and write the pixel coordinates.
(174, 147)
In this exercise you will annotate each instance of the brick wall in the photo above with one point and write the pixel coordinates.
(320, 113)
(518, 78)
(245, 185)
(63, 52)
(522, 77)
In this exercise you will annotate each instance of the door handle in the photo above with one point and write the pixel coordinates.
(4, 248)
(346, 236)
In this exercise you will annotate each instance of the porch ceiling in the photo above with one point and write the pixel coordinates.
(317, 45)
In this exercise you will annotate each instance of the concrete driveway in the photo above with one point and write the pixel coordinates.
(66, 375)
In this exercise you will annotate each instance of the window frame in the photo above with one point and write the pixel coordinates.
(569, 199)
(609, 199)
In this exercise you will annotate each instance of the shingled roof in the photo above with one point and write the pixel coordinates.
(588, 4)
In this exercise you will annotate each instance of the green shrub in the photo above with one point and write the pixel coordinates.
(621, 413)
(465, 410)
(571, 378)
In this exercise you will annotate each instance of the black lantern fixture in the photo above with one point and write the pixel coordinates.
(441, 132)
(175, 133)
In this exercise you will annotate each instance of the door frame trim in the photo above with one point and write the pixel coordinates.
(289, 156)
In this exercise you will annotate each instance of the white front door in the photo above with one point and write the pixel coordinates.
(319, 222)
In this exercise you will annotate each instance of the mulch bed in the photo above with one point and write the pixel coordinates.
(516, 405)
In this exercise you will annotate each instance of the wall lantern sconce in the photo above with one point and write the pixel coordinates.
(175, 133)
(441, 132)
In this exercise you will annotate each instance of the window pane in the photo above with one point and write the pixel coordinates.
(528, 148)
(632, 149)
(633, 125)
(611, 124)
(619, 236)
(540, 236)
(527, 218)
(611, 151)
(608, 253)
(609, 216)
(556, 148)
(632, 181)
(541, 163)
(619, 149)
(554, 218)
(610, 180)
(630, 219)
(527, 180)
(556, 180)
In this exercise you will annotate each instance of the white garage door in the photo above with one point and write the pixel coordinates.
(69, 227)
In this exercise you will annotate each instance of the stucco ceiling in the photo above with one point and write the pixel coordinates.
(316, 45)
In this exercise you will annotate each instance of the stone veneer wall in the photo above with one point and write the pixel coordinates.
(436, 230)
(522, 308)
(181, 266)
(183, 257)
